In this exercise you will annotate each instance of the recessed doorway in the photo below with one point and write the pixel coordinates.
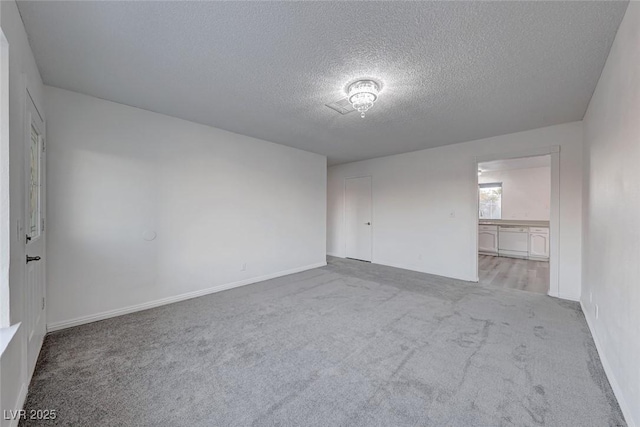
(514, 216)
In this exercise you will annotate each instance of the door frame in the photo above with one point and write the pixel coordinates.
(5, 190)
(344, 212)
(554, 212)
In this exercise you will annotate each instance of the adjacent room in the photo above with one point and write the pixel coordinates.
(514, 207)
(319, 213)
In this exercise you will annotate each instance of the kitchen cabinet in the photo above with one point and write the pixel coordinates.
(516, 241)
(488, 239)
(538, 243)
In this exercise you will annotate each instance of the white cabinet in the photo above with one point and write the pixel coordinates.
(488, 239)
(514, 241)
(538, 243)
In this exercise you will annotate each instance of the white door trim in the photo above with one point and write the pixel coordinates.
(5, 218)
(554, 219)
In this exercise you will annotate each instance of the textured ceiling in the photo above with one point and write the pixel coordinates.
(451, 71)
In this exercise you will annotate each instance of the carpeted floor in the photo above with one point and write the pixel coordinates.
(350, 344)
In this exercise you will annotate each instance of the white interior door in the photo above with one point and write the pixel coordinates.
(34, 290)
(358, 218)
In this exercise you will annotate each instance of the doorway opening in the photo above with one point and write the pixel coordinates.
(514, 223)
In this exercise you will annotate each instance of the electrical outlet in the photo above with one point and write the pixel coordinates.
(244, 267)
(597, 312)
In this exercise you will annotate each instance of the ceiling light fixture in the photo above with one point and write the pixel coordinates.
(362, 95)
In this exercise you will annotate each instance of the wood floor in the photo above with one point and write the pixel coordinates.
(523, 274)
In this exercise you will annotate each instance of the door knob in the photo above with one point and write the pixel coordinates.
(32, 258)
(367, 223)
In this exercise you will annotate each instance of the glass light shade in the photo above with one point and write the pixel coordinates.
(362, 95)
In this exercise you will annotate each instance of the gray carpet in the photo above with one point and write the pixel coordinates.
(350, 344)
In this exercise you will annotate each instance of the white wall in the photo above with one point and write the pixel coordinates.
(526, 193)
(216, 200)
(22, 71)
(612, 212)
(415, 194)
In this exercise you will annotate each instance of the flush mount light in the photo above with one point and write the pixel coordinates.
(362, 95)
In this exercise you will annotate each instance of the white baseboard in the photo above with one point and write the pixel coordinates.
(334, 255)
(488, 253)
(22, 395)
(568, 297)
(617, 391)
(55, 326)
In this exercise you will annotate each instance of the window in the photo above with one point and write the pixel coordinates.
(35, 150)
(491, 200)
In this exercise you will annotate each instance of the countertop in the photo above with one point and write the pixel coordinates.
(523, 222)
